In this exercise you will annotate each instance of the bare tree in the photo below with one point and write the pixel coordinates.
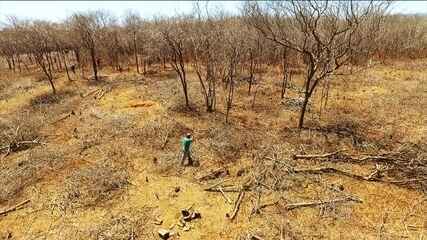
(39, 45)
(326, 34)
(176, 36)
(89, 27)
(132, 22)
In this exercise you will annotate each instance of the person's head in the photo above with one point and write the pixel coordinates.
(188, 135)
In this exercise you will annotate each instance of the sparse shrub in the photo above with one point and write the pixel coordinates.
(49, 98)
(22, 127)
(17, 175)
(121, 227)
(159, 131)
(92, 185)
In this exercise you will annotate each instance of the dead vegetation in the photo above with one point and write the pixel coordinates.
(32, 167)
(92, 159)
(91, 185)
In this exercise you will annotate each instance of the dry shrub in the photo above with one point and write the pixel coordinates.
(24, 126)
(156, 133)
(167, 163)
(15, 176)
(92, 185)
(121, 227)
(226, 142)
(49, 98)
(409, 162)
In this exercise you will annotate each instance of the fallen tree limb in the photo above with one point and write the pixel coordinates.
(14, 208)
(373, 177)
(11, 147)
(332, 170)
(236, 206)
(213, 174)
(225, 196)
(311, 156)
(215, 185)
(229, 189)
(91, 92)
(319, 203)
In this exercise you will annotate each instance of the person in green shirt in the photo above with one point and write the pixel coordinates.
(186, 147)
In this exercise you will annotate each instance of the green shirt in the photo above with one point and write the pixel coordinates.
(186, 143)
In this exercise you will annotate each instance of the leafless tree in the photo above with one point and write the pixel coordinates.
(326, 34)
(89, 27)
(133, 22)
(175, 33)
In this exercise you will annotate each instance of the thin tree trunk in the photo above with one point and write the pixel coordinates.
(135, 50)
(13, 64)
(303, 110)
(9, 64)
(19, 63)
(94, 66)
(66, 67)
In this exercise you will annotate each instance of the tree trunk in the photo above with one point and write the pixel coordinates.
(19, 63)
(9, 64)
(135, 49)
(65, 65)
(94, 66)
(13, 64)
(303, 110)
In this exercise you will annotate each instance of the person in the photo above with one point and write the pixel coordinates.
(186, 146)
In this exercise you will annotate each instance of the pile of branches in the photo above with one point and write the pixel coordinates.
(406, 166)
(16, 176)
(91, 185)
(14, 139)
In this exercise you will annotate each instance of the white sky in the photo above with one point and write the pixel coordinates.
(58, 10)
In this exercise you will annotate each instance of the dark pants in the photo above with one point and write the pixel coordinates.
(186, 154)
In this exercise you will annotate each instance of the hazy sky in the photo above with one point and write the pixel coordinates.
(58, 10)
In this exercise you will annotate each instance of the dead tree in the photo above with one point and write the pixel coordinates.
(88, 28)
(175, 36)
(326, 34)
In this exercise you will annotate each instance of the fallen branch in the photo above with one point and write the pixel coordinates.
(64, 117)
(332, 170)
(165, 140)
(228, 189)
(14, 208)
(215, 185)
(91, 92)
(318, 203)
(213, 174)
(225, 196)
(11, 147)
(236, 206)
(325, 155)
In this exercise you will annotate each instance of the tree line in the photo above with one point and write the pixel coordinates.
(324, 38)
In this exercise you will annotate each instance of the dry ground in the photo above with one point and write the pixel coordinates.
(108, 168)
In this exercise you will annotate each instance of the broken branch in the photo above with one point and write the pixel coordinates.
(236, 206)
(14, 208)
